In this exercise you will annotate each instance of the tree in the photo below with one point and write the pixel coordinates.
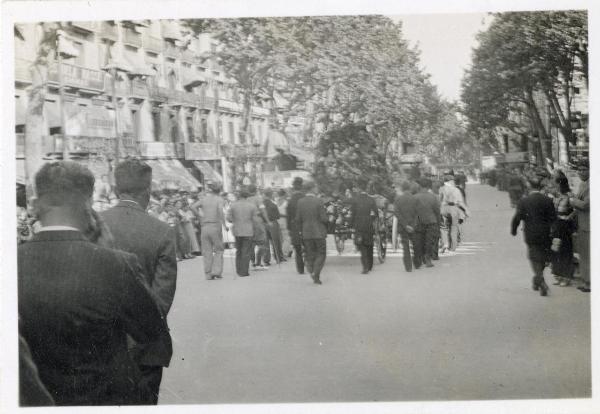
(523, 61)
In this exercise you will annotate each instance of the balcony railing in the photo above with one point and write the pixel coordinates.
(170, 50)
(132, 37)
(78, 77)
(257, 110)
(229, 105)
(158, 93)
(108, 30)
(22, 70)
(152, 44)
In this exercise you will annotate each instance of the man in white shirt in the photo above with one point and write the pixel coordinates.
(452, 202)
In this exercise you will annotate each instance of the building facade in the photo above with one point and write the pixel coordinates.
(146, 83)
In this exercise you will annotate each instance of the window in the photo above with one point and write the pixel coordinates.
(408, 148)
(231, 132)
(156, 123)
(220, 130)
(190, 129)
(201, 69)
(576, 91)
(505, 142)
(80, 58)
(204, 130)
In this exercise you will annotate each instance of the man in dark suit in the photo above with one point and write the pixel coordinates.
(364, 210)
(311, 219)
(581, 204)
(273, 229)
(405, 208)
(243, 214)
(293, 228)
(153, 243)
(428, 224)
(537, 212)
(78, 301)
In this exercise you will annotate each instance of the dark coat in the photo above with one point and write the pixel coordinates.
(428, 208)
(292, 206)
(311, 218)
(153, 242)
(405, 207)
(538, 213)
(77, 304)
(364, 210)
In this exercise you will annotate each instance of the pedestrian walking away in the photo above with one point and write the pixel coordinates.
(428, 222)
(212, 219)
(311, 219)
(537, 213)
(405, 208)
(153, 243)
(293, 227)
(363, 212)
(243, 214)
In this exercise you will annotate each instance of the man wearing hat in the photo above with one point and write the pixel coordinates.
(153, 242)
(212, 220)
(451, 201)
(292, 226)
(581, 203)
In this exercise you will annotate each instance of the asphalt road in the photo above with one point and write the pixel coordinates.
(470, 328)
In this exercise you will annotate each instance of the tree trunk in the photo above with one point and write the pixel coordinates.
(35, 129)
(246, 115)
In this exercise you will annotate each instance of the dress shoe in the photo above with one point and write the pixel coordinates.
(429, 264)
(364, 272)
(584, 289)
(565, 283)
(317, 282)
(535, 285)
(243, 275)
(557, 282)
(543, 289)
(218, 277)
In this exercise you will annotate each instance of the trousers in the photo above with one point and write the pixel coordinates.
(450, 215)
(211, 239)
(406, 255)
(424, 238)
(150, 383)
(316, 253)
(299, 257)
(243, 248)
(274, 233)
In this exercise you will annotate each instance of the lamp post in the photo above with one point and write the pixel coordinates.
(113, 70)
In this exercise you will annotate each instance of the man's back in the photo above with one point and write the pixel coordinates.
(243, 215)
(428, 207)
(363, 210)
(212, 209)
(405, 207)
(77, 302)
(152, 241)
(537, 212)
(311, 217)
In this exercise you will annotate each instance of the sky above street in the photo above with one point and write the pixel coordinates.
(445, 41)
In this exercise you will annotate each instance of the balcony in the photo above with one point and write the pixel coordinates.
(188, 55)
(78, 77)
(257, 110)
(227, 105)
(132, 38)
(162, 149)
(152, 44)
(171, 51)
(139, 88)
(108, 31)
(190, 77)
(158, 93)
(22, 70)
(86, 26)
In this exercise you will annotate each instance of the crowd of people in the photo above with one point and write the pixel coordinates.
(556, 220)
(123, 243)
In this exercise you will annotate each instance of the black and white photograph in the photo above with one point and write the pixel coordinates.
(265, 207)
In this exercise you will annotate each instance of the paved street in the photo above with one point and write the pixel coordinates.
(470, 328)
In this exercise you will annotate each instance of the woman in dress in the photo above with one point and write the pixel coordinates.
(563, 266)
(282, 203)
(190, 242)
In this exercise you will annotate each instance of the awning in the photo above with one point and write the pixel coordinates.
(171, 175)
(138, 66)
(209, 173)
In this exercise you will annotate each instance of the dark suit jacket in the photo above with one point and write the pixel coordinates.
(243, 214)
(405, 207)
(428, 208)
(311, 218)
(77, 304)
(363, 209)
(153, 242)
(292, 206)
(538, 213)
